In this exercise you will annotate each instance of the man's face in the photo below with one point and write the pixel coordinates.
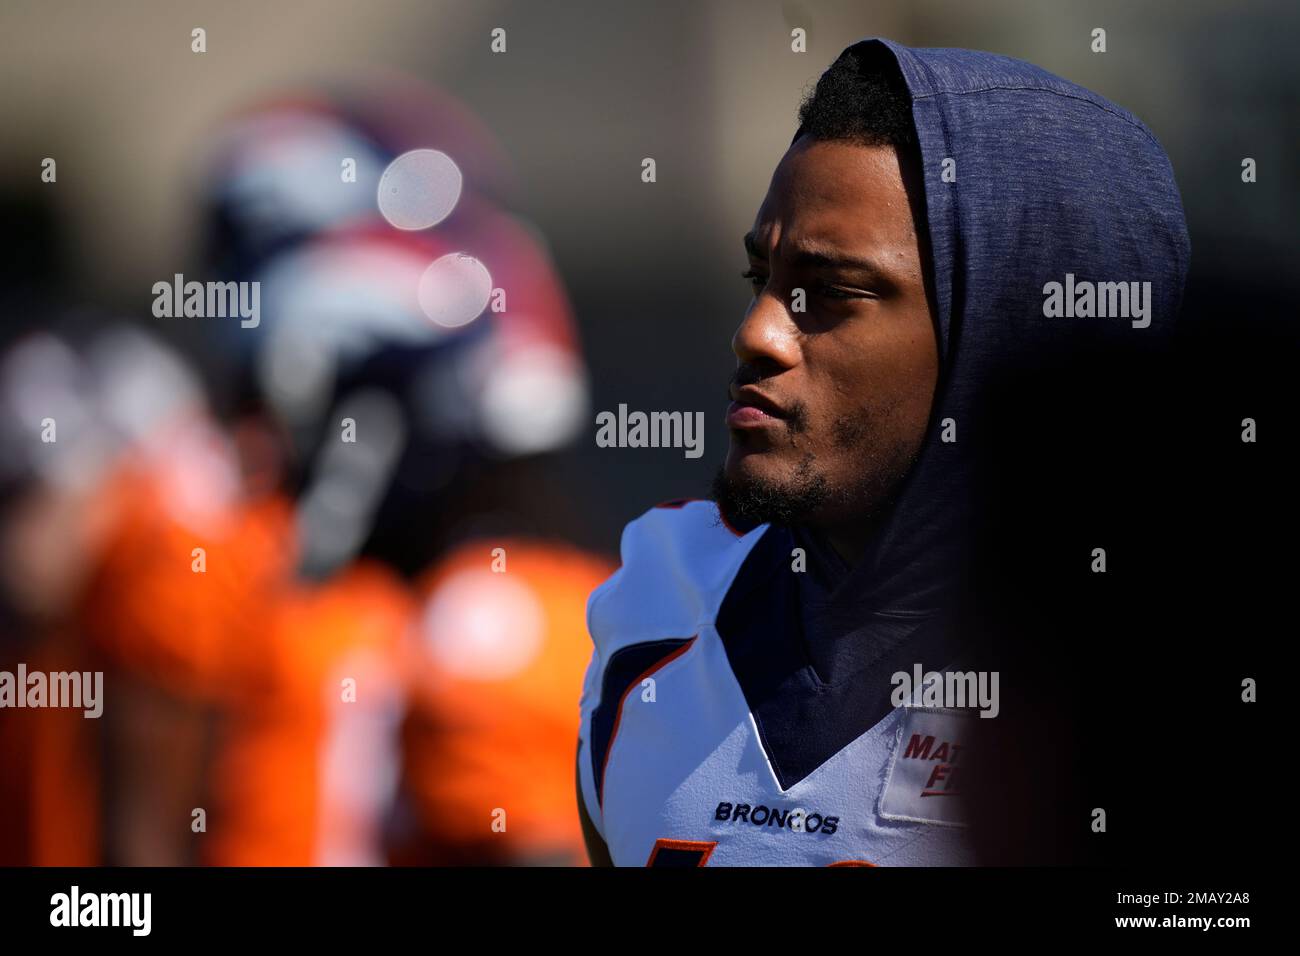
(829, 404)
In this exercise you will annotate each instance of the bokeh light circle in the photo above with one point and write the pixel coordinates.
(419, 189)
(455, 290)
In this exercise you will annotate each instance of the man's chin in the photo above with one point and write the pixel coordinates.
(753, 489)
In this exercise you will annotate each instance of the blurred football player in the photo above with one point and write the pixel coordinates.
(403, 387)
(53, 524)
(129, 452)
(425, 450)
(196, 547)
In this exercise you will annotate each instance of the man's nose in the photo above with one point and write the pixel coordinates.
(767, 334)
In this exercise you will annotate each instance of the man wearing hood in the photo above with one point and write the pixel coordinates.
(943, 222)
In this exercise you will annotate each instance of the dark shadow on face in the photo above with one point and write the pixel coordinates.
(837, 353)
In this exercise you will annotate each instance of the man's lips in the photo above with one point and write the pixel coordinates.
(750, 408)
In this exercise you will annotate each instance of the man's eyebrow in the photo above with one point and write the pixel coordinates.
(814, 255)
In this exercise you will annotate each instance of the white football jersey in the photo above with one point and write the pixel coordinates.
(708, 739)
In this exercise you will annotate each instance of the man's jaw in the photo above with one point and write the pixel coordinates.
(746, 498)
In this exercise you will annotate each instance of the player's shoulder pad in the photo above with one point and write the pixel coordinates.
(678, 561)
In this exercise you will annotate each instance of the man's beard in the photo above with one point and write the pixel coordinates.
(754, 501)
(750, 502)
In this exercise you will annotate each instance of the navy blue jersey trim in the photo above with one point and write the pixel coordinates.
(802, 721)
(624, 671)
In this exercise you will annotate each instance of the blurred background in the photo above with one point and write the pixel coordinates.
(363, 650)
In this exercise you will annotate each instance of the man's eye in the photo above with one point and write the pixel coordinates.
(756, 280)
(836, 292)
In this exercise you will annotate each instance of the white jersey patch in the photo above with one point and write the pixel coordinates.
(925, 771)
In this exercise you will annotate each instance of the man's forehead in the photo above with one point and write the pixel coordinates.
(811, 236)
(838, 172)
(834, 197)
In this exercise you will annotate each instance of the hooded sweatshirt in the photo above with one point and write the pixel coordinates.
(1057, 236)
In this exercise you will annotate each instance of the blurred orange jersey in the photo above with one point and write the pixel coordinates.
(49, 764)
(498, 655)
(198, 597)
(306, 764)
(179, 606)
(177, 612)
(171, 558)
(50, 768)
